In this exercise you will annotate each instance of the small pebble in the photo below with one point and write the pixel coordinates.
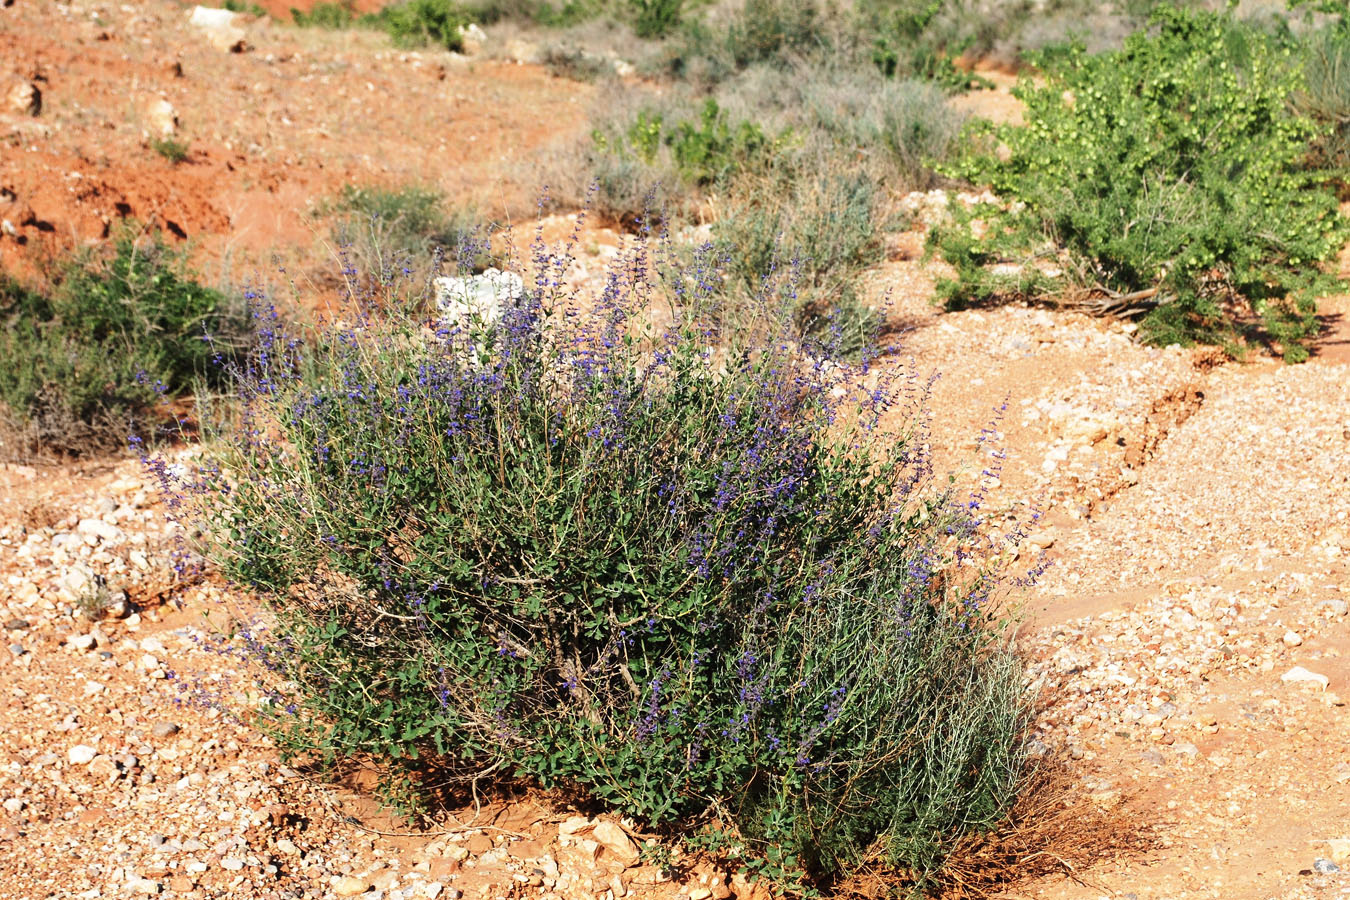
(81, 755)
(1325, 866)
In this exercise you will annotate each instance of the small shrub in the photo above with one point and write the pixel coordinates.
(174, 151)
(418, 23)
(389, 229)
(680, 571)
(655, 18)
(336, 15)
(241, 6)
(1326, 95)
(566, 61)
(703, 151)
(89, 358)
(823, 226)
(1175, 165)
(904, 49)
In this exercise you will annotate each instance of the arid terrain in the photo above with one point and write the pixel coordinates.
(1192, 633)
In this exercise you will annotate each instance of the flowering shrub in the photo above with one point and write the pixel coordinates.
(1172, 174)
(686, 573)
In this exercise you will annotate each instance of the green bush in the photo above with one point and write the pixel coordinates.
(418, 23)
(334, 15)
(903, 48)
(703, 151)
(1175, 165)
(683, 574)
(87, 360)
(655, 18)
(174, 151)
(410, 23)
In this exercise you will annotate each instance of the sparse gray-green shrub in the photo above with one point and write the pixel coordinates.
(684, 573)
(387, 229)
(1326, 95)
(1167, 177)
(88, 358)
(821, 222)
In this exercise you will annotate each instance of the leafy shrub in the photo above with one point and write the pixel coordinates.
(334, 15)
(87, 360)
(676, 571)
(706, 151)
(240, 6)
(903, 48)
(174, 151)
(655, 18)
(1175, 165)
(417, 23)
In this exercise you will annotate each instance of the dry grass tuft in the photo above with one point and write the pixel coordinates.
(1056, 828)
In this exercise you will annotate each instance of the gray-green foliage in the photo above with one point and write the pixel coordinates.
(88, 356)
(679, 571)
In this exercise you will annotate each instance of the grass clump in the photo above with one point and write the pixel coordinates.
(89, 357)
(174, 151)
(686, 574)
(404, 228)
(1325, 96)
(335, 15)
(1167, 178)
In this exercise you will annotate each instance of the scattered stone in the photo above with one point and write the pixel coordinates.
(1292, 639)
(163, 121)
(471, 38)
(348, 886)
(164, 729)
(525, 849)
(1298, 675)
(616, 842)
(181, 884)
(17, 625)
(139, 885)
(1043, 539)
(479, 844)
(24, 99)
(1340, 849)
(81, 755)
(1325, 866)
(104, 767)
(82, 641)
